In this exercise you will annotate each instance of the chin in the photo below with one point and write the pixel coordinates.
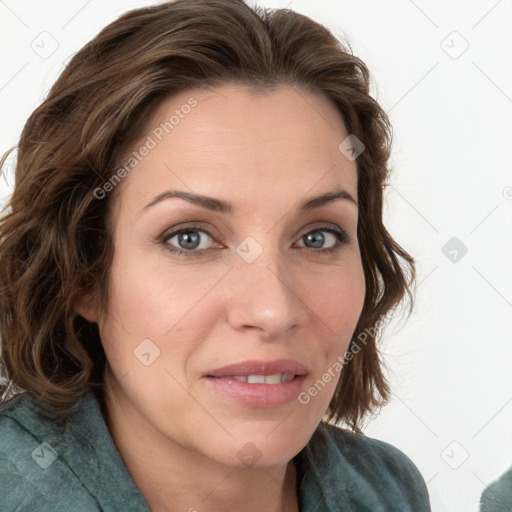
(261, 449)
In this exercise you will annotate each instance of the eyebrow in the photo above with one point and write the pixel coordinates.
(222, 206)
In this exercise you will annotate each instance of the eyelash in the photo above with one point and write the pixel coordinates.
(342, 239)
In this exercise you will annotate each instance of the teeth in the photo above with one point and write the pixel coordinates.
(272, 379)
(256, 379)
(265, 379)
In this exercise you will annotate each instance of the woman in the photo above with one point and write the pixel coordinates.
(195, 273)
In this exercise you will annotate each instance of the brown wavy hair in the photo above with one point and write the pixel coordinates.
(56, 241)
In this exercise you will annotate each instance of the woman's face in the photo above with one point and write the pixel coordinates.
(256, 284)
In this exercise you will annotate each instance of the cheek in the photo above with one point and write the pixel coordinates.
(146, 298)
(149, 302)
(337, 305)
(337, 297)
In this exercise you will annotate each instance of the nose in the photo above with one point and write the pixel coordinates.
(266, 296)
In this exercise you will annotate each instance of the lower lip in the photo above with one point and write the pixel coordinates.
(258, 395)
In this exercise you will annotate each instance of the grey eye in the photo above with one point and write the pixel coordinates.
(188, 239)
(316, 239)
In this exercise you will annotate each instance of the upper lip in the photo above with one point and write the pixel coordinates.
(259, 367)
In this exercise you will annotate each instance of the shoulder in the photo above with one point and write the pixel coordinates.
(369, 454)
(367, 474)
(30, 469)
(497, 497)
(62, 463)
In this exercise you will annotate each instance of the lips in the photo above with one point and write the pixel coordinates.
(257, 383)
(259, 367)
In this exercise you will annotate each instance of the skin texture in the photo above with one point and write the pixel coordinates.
(264, 153)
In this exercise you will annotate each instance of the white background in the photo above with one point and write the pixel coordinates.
(450, 362)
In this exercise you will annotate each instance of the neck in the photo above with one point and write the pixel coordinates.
(172, 477)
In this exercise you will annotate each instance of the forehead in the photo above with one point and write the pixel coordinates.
(230, 141)
(254, 117)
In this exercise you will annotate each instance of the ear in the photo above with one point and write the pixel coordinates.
(87, 308)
